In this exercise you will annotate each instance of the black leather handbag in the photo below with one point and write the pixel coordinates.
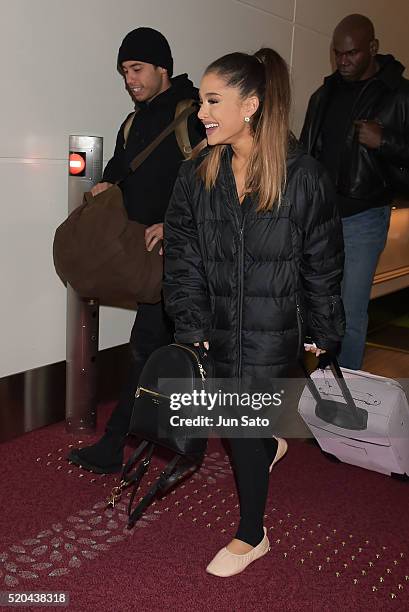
(171, 370)
(158, 417)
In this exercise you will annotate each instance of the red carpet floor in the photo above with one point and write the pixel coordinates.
(339, 535)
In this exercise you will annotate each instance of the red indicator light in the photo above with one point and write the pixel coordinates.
(77, 164)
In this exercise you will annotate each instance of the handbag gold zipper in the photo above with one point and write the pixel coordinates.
(139, 389)
(201, 368)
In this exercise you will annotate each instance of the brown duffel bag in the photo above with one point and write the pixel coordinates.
(101, 253)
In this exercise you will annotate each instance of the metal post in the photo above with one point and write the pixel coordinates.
(85, 169)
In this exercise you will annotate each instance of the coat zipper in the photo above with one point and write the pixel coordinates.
(334, 299)
(300, 322)
(240, 296)
(236, 206)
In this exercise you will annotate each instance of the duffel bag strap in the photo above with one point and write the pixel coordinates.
(137, 161)
(128, 125)
(182, 130)
(183, 112)
(159, 485)
(140, 158)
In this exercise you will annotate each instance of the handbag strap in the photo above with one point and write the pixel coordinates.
(135, 478)
(163, 483)
(159, 485)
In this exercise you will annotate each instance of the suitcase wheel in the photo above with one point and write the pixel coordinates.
(401, 477)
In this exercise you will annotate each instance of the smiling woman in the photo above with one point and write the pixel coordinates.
(253, 257)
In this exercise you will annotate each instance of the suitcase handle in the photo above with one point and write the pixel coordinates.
(347, 416)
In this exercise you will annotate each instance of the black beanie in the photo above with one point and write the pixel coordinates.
(146, 45)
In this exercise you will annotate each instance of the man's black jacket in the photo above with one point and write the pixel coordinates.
(147, 192)
(250, 285)
(361, 172)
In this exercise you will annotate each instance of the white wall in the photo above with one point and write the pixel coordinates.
(57, 61)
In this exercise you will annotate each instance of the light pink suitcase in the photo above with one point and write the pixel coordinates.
(358, 417)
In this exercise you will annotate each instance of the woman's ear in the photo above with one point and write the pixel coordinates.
(250, 106)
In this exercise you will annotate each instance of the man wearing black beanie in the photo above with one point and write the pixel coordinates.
(149, 46)
(146, 65)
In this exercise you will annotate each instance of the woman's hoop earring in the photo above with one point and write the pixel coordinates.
(247, 119)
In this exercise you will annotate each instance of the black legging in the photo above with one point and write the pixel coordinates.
(252, 458)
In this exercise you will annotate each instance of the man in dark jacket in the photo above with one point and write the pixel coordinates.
(146, 64)
(356, 124)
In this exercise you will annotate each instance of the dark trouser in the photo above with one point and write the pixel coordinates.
(151, 330)
(252, 458)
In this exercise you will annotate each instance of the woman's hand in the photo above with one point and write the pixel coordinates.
(312, 348)
(205, 344)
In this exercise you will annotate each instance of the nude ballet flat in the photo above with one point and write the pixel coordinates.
(281, 451)
(226, 564)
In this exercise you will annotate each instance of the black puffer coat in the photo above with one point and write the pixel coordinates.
(254, 286)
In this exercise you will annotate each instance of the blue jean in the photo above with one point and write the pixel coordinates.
(364, 240)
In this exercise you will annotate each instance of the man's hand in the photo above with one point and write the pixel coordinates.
(100, 187)
(369, 133)
(154, 234)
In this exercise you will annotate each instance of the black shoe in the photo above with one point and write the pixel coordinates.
(103, 457)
